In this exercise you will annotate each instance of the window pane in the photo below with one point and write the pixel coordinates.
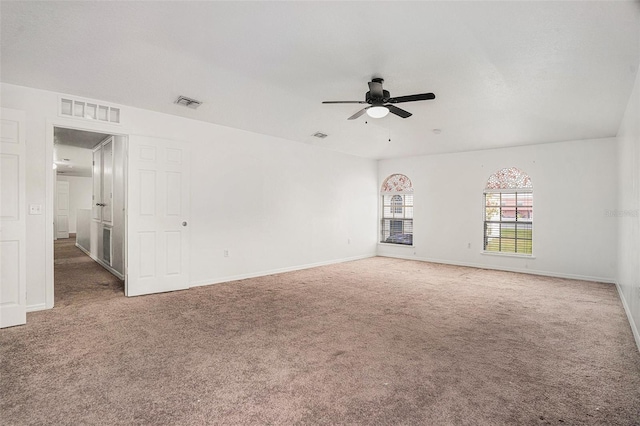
(103, 113)
(524, 246)
(78, 109)
(492, 230)
(524, 231)
(508, 199)
(408, 212)
(508, 213)
(66, 106)
(525, 213)
(92, 111)
(408, 200)
(408, 226)
(114, 115)
(507, 245)
(396, 227)
(525, 199)
(492, 213)
(508, 230)
(492, 199)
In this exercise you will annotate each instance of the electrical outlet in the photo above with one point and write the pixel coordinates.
(468, 245)
(348, 240)
(226, 252)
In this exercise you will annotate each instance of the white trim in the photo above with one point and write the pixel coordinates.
(634, 329)
(276, 271)
(498, 268)
(508, 190)
(68, 123)
(101, 263)
(94, 102)
(382, 243)
(507, 254)
(37, 307)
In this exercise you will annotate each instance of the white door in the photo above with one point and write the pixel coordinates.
(62, 209)
(158, 215)
(96, 208)
(107, 181)
(13, 267)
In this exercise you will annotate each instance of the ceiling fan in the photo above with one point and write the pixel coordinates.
(381, 103)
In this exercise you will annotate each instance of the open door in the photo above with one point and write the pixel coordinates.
(157, 217)
(13, 266)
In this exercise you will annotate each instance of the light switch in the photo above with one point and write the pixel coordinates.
(35, 208)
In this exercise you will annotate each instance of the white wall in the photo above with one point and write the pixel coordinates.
(574, 184)
(628, 220)
(274, 204)
(80, 192)
(294, 205)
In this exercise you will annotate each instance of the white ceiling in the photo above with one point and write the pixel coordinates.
(72, 151)
(504, 73)
(78, 138)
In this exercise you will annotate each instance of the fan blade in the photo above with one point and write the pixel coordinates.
(398, 111)
(358, 114)
(375, 88)
(412, 98)
(343, 102)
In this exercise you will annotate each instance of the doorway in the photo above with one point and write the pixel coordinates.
(89, 215)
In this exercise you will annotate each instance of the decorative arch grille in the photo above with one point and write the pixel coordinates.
(396, 219)
(508, 212)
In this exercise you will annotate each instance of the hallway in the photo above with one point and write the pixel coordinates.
(78, 279)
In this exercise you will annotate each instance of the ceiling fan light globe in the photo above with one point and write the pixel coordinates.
(377, 111)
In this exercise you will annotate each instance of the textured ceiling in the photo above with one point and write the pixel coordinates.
(504, 73)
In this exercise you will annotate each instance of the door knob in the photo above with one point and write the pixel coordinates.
(184, 223)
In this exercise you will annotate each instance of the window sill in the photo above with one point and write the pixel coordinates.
(395, 245)
(496, 253)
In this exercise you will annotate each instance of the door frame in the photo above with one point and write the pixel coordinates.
(87, 126)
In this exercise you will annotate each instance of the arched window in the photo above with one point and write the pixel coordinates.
(508, 212)
(396, 220)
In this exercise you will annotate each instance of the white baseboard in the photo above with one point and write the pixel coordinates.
(634, 329)
(36, 307)
(607, 280)
(276, 271)
(101, 263)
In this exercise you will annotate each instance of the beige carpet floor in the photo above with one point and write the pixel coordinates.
(374, 342)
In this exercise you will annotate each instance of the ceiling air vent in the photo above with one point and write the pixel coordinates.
(320, 135)
(188, 102)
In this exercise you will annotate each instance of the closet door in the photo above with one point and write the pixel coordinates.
(97, 184)
(158, 216)
(13, 224)
(107, 182)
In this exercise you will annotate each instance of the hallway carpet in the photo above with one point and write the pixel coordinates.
(377, 341)
(78, 279)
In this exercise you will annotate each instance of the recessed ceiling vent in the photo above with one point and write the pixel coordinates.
(188, 102)
(320, 135)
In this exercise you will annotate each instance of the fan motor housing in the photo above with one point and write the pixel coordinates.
(370, 100)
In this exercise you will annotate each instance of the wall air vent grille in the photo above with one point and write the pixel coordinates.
(89, 110)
